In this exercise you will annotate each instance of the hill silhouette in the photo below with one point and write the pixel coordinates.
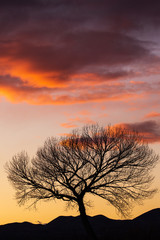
(145, 226)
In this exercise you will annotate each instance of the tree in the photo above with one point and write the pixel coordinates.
(112, 163)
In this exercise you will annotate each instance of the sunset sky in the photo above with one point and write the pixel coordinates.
(66, 63)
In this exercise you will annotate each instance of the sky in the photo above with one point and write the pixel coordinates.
(64, 64)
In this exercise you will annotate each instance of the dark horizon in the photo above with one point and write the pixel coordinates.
(145, 226)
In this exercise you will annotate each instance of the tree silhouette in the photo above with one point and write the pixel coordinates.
(112, 163)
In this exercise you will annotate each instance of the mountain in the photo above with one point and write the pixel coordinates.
(150, 216)
(145, 226)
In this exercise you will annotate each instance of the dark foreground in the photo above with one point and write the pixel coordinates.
(146, 226)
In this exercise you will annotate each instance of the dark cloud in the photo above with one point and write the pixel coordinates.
(150, 130)
(78, 52)
(123, 13)
(147, 126)
(24, 3)
(63, 40)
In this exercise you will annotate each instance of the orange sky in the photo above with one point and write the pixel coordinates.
(66, 65)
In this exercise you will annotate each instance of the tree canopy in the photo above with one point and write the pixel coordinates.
(110, 162)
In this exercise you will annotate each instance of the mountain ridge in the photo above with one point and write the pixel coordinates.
(146, 226)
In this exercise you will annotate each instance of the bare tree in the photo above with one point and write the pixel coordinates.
(112, 163)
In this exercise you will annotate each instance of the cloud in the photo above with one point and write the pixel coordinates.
(150, 130)
(115, 15)
(152, 115)
(68, 125)
(49, 49)
(18, 90)
(74, 122)
(78, 52)
(24, 3)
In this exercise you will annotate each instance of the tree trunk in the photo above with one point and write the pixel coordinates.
(90, 232)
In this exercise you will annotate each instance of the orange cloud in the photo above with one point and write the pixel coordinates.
(57, 60)
(152, 115)
(68, 125)
(95, 97)
(137, 82)
(74, 122)
(17, 90)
